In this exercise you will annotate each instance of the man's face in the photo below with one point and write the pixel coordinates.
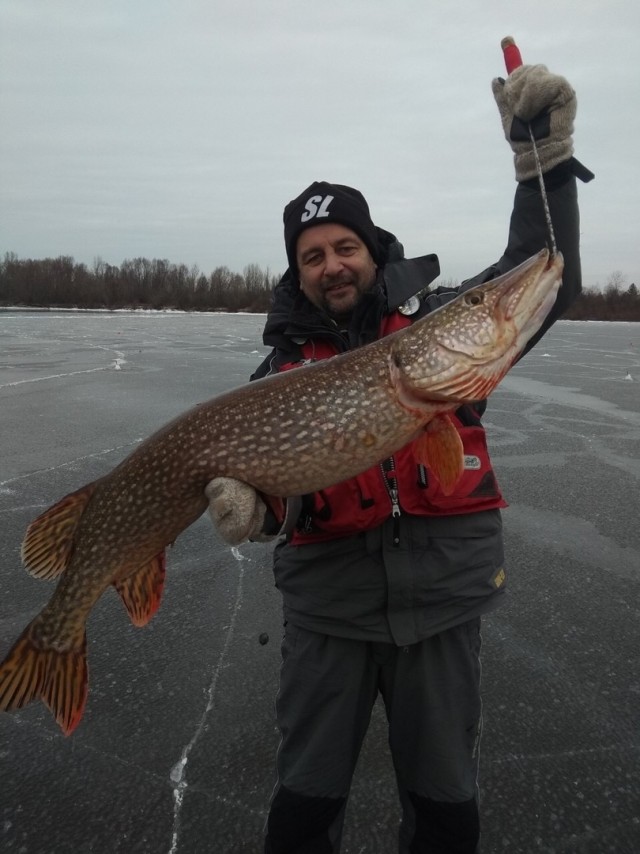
(335, 268)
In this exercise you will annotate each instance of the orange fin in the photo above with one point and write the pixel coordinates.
(142, 591)
(440, 448)
(59, 679)
(48, 543)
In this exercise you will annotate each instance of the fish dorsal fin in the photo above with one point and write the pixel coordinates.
(141, 592)
(48, 543)
(439, 448)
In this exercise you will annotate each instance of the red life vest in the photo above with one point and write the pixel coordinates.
(365, 501)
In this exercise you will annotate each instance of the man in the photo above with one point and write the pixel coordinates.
(384, 578)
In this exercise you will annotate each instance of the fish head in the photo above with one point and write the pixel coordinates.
(461, 351)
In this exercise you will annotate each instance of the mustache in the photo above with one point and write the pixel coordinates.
(337, 282)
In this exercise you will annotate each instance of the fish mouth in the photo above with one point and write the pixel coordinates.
(522, 299)
(529, 308)
(516, 305)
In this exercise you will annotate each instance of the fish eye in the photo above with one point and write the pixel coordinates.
(474, 298)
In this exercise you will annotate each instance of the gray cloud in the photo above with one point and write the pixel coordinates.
(180, 129)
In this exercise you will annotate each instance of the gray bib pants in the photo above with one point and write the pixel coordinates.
(431, 693)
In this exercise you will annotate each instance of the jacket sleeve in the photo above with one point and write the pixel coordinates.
(274, 362)
(528, 234)
(264, 368)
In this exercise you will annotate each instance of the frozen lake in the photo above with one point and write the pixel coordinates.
(560, 768)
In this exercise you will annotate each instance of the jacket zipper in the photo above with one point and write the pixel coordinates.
(388, 467)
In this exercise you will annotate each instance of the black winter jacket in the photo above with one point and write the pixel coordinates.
(293, 318)
(412, 577)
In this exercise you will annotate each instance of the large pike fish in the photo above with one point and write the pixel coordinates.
(286, 435)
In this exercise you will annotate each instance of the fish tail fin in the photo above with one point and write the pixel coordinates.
(49, 539)
(33, 672)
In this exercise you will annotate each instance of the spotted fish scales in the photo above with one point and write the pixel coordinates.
(286, 435)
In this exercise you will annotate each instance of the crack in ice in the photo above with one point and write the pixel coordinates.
(177, 773)
(102, 453)
(115, 365)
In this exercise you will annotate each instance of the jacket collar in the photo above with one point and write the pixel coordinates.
(293, 316)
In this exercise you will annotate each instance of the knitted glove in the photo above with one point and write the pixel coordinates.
(239, 513)
(531, 95)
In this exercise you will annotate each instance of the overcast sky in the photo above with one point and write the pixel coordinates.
(179, 129)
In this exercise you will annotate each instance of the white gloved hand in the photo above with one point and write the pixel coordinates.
(531, 95)
(239, 513)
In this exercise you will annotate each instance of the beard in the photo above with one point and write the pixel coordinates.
(340, 295)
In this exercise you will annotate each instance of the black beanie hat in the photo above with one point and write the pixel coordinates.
(323, 202)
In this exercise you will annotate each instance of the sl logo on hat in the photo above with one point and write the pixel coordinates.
(316, 206)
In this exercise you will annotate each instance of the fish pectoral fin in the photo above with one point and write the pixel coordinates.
(141, 592)
(439, 448)
(58, 678)
(48, 543)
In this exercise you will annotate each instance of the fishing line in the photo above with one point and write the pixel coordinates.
(513, 60)
(543, 192)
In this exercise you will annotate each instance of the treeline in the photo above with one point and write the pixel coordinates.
(136, 283)
(615, 302)
(141, 283)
